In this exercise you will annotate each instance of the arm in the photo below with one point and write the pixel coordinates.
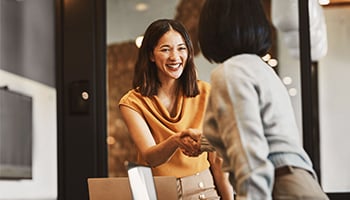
(220, 178)
(233, 125)
(154, 154)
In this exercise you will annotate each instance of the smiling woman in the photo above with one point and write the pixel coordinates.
(166, 103)
(121, 57)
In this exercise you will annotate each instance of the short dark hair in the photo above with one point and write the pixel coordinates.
(231, 27)
(145, 75)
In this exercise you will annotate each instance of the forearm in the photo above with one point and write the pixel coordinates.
(154, 154)
(222, 183)
(162, 152)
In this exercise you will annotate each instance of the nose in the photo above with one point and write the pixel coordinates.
(174, 55)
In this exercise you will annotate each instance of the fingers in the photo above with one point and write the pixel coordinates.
(205, 145)
(190, 147)
(195, 134)
(190, 142)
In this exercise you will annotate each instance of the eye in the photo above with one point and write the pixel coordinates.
(182, 48)
(165, 50)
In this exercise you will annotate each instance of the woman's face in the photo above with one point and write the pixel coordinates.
(170, 55)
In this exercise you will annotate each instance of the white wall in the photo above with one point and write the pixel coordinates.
(125, 23)
(43, 185)
(334, 102)
(27, 50)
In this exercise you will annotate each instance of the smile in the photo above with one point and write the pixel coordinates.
(174, 66)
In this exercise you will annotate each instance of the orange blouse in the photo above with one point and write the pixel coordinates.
(189, 114)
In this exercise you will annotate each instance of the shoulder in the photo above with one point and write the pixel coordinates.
(134, 100)
(247, 63)
(243, 66)
(131, 96)
(203, 86)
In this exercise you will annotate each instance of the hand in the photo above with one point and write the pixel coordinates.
(205, 145)
(191, 142)
(193, 149)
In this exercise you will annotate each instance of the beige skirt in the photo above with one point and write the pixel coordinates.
(198, 186)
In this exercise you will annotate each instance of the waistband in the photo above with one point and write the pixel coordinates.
(200, 185)
(288, 169)
(281, 171)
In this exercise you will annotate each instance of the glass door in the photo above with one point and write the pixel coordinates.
(334, 98)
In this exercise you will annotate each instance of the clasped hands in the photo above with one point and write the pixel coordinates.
(193, 143)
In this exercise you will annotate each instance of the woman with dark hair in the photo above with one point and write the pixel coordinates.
(249, 117)
(166, 103)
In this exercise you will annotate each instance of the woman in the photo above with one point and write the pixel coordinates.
(250, 118)
(166, 103)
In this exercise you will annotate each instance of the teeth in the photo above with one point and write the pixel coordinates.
(174, 66)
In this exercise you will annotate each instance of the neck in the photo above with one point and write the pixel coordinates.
(168, 94)
(169, 88)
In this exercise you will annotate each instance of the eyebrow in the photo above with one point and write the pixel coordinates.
(167, 45)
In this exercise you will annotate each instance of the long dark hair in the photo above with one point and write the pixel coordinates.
(145, 75)
(231, 27)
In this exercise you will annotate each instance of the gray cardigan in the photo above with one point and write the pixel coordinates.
(251, 123)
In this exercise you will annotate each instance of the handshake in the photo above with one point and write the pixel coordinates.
(192, 143)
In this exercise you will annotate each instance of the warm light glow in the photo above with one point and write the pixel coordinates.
(324, 2)
(141, 7)
(287, 80)
(266, 57)
(272, 62)
(293, 92)
(85, 95)
(138, 41)
(110, 140)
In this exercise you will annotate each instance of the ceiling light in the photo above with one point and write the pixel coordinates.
(324, 2)
(141, 7)
(272, 62)
(293, 92)
(266, 57)
(287, 80)
(138, 41)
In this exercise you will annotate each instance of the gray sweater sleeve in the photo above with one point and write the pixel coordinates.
(233, 125)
